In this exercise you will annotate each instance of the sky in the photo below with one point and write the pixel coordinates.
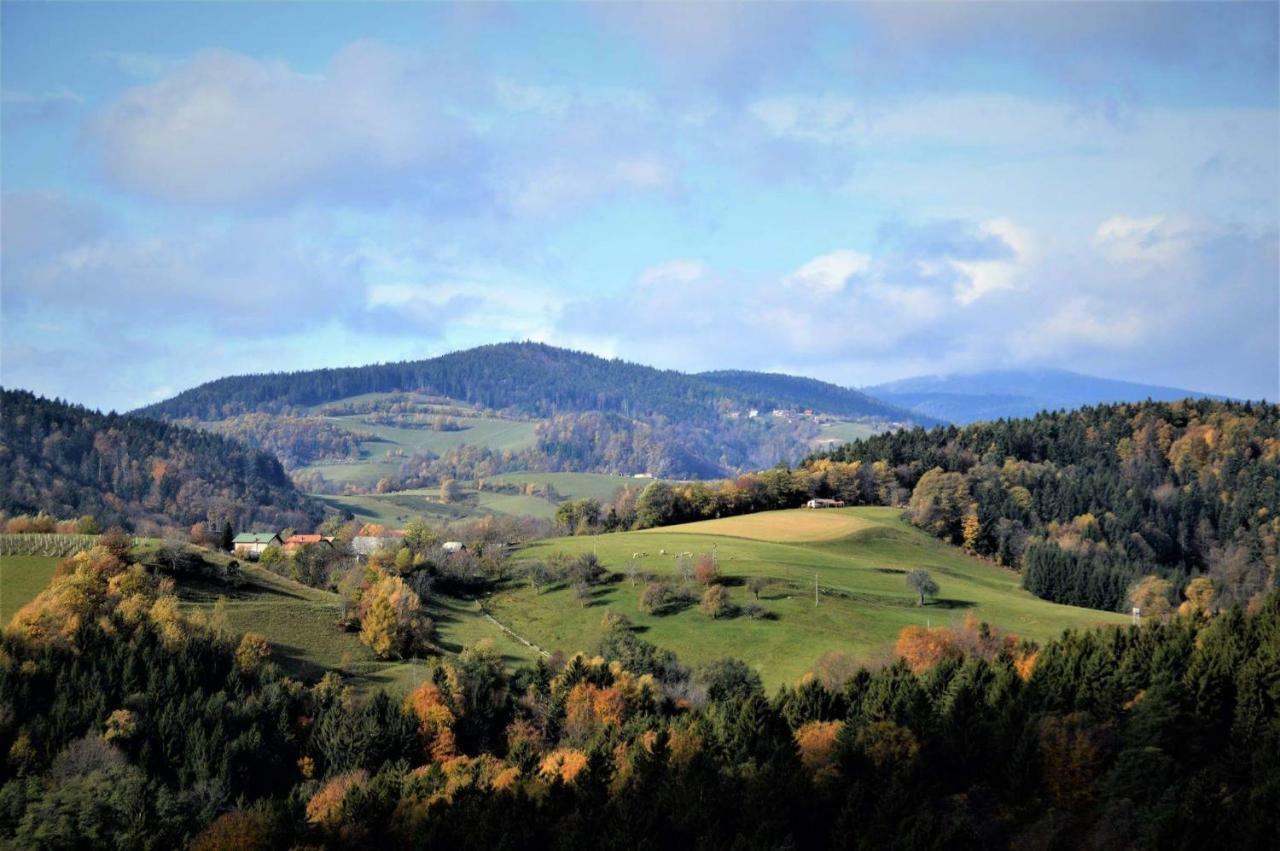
(858, 193)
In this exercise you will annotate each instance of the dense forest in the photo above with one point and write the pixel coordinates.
(530, 379)
(66, 461)
(127, 724)
(1087, 502)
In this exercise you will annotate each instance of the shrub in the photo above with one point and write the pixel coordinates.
(715, 601)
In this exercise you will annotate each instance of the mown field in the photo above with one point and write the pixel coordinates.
(601, 486)
(859, 557)
(843, 432)
(21, 578)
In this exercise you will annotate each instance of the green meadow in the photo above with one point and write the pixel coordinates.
(21, 578)
(381, 456)
(600, 486)
(857, 557)
(302, 626)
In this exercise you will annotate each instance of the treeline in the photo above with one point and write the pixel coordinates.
(1087, 502)
(127, 724)
(65, 460)
(528, 378)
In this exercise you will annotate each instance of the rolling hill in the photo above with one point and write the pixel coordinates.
(859, 558)
(968, 397)
(568, 411)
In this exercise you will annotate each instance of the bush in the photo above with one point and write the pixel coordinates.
(715, 602)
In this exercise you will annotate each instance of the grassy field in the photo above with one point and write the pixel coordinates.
(396, 509)
(375, 463)
(573, 485)
(864, 603)
(301, 624)
(838, 433)
(21, 578)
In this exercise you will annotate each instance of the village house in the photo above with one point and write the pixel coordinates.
(453, 546)
(824, 503)
(296, 542)
(251, 544)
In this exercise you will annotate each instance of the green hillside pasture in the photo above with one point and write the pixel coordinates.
(397, 509)
(21, 579)
(374, 464)
(843, 432)
(601, 486)
(863, 605)
(301, 624)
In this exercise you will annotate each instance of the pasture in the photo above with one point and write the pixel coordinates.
(381, 456)
(301, 624)
(601, 486)
(863, 601)
(21, 579)
(843, 432)
(397, 509)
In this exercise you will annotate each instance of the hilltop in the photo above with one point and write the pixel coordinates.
(580, 412)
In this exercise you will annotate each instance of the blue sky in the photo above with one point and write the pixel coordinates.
(854, 192)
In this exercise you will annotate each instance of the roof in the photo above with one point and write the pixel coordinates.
(254, 538)
(304, 539)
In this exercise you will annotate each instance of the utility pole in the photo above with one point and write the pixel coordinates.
(815, 590)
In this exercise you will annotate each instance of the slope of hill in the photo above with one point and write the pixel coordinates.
(68, 461)
(591, 414)
(859, 559)
(968, 397)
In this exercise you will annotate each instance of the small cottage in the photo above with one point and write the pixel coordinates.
(251, 544)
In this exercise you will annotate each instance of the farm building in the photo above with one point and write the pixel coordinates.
(251, 544)
(453, 546)
(296, 542)
(824, 503)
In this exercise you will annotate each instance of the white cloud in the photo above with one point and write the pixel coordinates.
(829, 273)
(228, 128)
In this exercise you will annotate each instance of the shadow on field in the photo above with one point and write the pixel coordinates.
(945, 603)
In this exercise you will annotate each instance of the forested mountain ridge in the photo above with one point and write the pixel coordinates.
(994, 394)
(528, 378)
(1099, 504)
(67, 460)
(594, 415)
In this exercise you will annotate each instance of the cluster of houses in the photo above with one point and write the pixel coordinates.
(251, 545)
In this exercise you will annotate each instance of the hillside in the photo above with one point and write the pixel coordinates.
(858, 556)
(995, 394)
(69, 461)
(580, 413)
(1088, 502)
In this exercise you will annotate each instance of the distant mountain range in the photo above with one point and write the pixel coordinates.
(995, 394)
